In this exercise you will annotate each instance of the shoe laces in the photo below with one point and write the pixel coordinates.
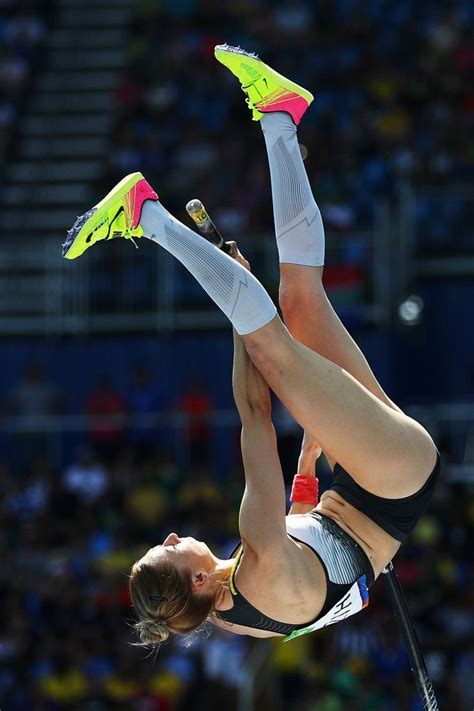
(128, 235)
(245, 90)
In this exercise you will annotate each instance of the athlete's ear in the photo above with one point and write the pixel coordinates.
(200, 579)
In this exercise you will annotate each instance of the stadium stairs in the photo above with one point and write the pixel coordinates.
(62, 140)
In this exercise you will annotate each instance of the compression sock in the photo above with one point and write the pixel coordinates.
(298, 224)
(235, 291)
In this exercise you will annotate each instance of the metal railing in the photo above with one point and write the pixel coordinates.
(119, 289)
(452, 423)
(56, 431)
(435, 232)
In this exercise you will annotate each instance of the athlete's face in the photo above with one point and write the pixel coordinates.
(184, 552)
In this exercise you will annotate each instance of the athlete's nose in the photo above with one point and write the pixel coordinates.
(172, 539)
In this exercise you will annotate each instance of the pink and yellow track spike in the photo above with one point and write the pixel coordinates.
(117, 215)
(266, 90)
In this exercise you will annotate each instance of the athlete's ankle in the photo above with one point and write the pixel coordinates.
(280, 121)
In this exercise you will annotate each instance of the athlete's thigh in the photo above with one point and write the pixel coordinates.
(385, 451)
(311, 320)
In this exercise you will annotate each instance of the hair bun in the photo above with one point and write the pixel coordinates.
(152, 631)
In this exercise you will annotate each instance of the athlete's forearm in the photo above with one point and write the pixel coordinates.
(310, 451)
(262, 512)
(251, 393)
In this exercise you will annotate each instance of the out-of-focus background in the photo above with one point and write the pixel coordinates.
(117, 421)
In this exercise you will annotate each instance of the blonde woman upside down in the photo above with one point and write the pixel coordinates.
(290, 574)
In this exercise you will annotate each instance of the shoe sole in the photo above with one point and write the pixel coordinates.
(87, 224)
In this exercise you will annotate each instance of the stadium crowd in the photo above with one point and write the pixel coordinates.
(394, 108)
(22, 32)
(393, 102)
(71, 530)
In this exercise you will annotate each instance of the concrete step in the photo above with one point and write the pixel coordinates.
(27, 293)
(82, 17)
(34, 221)
(93, 4)
(52, 194)
(65, 39)
(34, 254)
(26, 296)
(83, 102)
(73, 147)
(50, 171)
(77, 81)
(83, 125)
(111, 58)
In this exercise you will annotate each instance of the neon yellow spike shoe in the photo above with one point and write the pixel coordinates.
(266, 90)
(117, 215)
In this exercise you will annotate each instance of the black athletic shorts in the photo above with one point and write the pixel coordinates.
(396, 516)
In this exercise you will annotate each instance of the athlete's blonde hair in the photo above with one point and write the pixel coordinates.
(164, 601)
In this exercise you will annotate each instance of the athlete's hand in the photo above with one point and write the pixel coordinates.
(237, 255)
(310, 452)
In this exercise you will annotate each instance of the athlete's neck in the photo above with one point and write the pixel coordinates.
(221, 577)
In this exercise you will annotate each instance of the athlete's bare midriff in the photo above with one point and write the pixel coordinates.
(379, 546)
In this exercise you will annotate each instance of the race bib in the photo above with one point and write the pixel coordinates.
(355, 599)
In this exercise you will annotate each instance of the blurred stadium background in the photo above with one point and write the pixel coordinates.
(117, 422)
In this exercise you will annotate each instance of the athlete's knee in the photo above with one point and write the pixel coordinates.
(253, 405)
(298, 293)
(251, 394)
(270, 356)
(257, 351)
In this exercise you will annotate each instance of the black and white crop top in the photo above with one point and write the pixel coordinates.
(348, 572)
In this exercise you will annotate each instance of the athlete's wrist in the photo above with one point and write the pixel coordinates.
(305, 489)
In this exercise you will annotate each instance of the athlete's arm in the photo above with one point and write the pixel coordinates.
(263, 508)
(309, 454)
(252, 445)
(262, 511)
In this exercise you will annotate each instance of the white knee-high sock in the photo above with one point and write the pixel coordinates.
(235, 291)
(298, 224)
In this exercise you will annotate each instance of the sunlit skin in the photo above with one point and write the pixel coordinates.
(209, 573)
(277, 574)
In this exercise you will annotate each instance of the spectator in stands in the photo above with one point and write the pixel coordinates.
(106, 408)
(145, 402)
(86, 478)
(196, 406)
(24, 31)
(32, 402)
(13, 72)
(34, 397)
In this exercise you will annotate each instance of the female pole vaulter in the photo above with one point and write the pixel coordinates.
(291, 574)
